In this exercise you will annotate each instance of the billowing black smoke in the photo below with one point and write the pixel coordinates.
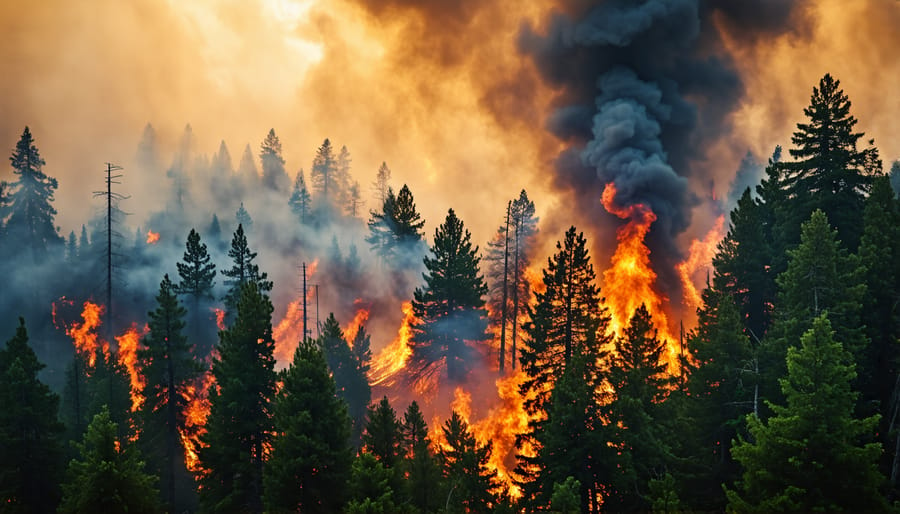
(645, 88)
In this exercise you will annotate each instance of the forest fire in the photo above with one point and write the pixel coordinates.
(220, 317)
(196, 411)
(393, 357)
(629, 281)
(84, 335)
(700, 256)
(289, 331)
(129, 344)
(152, 237)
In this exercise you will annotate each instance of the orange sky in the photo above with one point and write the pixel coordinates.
(440, 93)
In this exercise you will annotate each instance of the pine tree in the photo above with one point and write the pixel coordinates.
(239, 426)
(382, 435)
(830, 173)
(353, 200)
(349, 378)
(242, 271)
(243, 217)
(169, 369)
(147, 158)
(811, 456)
(396, 231)
(196, 271)
(247, 171)
(820, 276)
(300, 199)
(450, 309)
(29, 431)
(370, 487)
(421, 471)
(108, 385)
(72, 248)
(311, 455)
(109, 474)
(31, 212)
(464, 464)
(342, 178)
(323, 175)
(273, 175)
(638, 378)
(381, 186)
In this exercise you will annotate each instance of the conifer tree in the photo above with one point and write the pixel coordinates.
(311, 454)
(812, 455)
(829, 173)
(382, 435)
(273, 175)
(323, 175)
(168, 368)
(419, 466)
(370, 488)
(382, 183)
(31, 213)
(342, 178)
(109, 475)
(243, 217)
(820, 276)
(396, 231)
(638, 378)
(300, 201)
(349, 377)
(72, 248)
(472, 486)
(239, 426)
(450, 308)
(196, 271)
(31, 462)
(109, 385)
(243, 270)
(247, 171)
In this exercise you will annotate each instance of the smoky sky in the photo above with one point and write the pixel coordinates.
(644, 89)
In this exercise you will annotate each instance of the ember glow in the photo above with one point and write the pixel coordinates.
(196, 411)
(359, 319)
(84, 335)
(630, 280)
(220, 317)
(289, 331)
(699, 258)
(152, 237)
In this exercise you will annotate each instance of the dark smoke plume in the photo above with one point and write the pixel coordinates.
(646, 87)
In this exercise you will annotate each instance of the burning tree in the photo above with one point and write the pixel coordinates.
(239, 425)
(168, 368)
(450, 309)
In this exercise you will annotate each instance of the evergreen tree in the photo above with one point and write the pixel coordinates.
(349, 378)
(147, 157)
(396, 231)
(811, 456)
(830, 173)
(29, 431)
(239, 426)
(323, 175)
(243, 217)
(196, 272)
(300, 199)
(353, 200)
(382, 435)
(565, 499)
(450, 309)
(72, 248)
(247, 171)
(420, 469)
(109, 474)
(311, 455)
(464, 465)
(242, 271)
(639, 380)
(342, 178)
(820, 276)
(31, 213)
(382, 185)
(370, 487)
(108, 385)
(273, 175)
(169, 369)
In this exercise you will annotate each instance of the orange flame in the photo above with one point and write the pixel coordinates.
(129, 343)
(289, 331)
(394, 356)
(629, 282)
(152, 237)
(362, 315)
(220, 317)
(195, 413)
(84, 334)
(700, 256)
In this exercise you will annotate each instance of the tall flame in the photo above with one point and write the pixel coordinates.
(220, 317)
(84, 335)
(152, 237)
(699, 256)
(289, 331)
(359, 319)
(392, 359)
(196, 411)
(129, 343)
(629, 282)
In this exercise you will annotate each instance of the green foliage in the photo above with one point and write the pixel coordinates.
(196, 272)
(30, 220)
(29, 431)
(813, 454)
(396, 230)
(472, 486)
(169, 369)
(382, 435)
(566, 498)
(273, 174)
(109, 474)
(300, 200)
(348, 372)
(664, 496)
(243, 270)
(370, 487)
(422, 484)
(311, 454)
(450, 309)
(239, 426)
(323, 175)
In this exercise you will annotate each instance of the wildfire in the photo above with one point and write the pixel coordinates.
(129, 343)
(84, 335)
(393, 357)
(289, 331)
(220, 317)
(195, 413)
(152, 237)
(362, 315)
(629, 282)
(700, 256)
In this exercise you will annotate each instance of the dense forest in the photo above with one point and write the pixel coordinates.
(135, 380)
